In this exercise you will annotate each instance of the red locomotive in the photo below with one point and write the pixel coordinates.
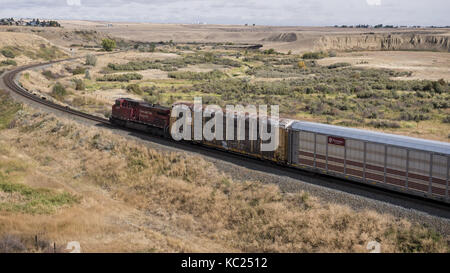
(152, 118)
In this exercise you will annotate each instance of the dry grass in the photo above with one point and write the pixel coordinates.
(133, 198)
(29, 48)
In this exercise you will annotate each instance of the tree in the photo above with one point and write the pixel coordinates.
(108, 44)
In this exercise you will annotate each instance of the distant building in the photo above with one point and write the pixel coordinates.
(32, 23)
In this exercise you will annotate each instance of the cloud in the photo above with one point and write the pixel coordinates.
(73, 2)
(373, 2)
(267, 12)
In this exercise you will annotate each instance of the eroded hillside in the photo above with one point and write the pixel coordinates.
(424, 42)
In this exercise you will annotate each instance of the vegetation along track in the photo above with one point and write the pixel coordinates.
(325, 183)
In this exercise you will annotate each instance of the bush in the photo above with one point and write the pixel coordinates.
(314, 55)
(301, 65)
(384, 124)
(121, 77)
(11, 244)
(108, 44)
(79, 84)
(144, 65)
(79, 70)
(91, 60)
(8, 53)
(368, 94)
(188, 75)
(146, 48)
(446, 119)
(8, 62)
(337, 65)
(269, 51)
(58, 91)
(134, 88)
(49, 75)
(409, 116)
(438, 87)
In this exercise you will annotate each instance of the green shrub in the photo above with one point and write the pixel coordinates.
(144, 65)
(438, 87)
(8, 62)
(121, 77)
(337, 65)
(384, 124)
(188, 75)
(446, 119)
(49, 75)
(8, 53)
(269, 51)
(79, 70)
(314, 55)
(134, 88)
(368, 94)
(58, 91)
(91, 60)
(146, 48)
(409, 116)
(108, 44)
(174, 64)
(79, 84)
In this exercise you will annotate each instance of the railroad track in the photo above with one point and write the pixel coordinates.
(400, 199)
(9, 80)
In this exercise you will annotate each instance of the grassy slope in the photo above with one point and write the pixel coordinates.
(133, 198)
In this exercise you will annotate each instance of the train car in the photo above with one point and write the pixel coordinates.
(247, 147)
(151, 118)
(406, 164)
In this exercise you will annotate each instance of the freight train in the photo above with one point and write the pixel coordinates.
(414, 166)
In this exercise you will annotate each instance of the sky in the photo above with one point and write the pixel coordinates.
(260, 12)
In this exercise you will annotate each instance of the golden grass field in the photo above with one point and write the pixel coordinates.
(125, 197)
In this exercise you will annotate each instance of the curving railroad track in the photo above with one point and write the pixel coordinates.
(394, 198)
(9, 80)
